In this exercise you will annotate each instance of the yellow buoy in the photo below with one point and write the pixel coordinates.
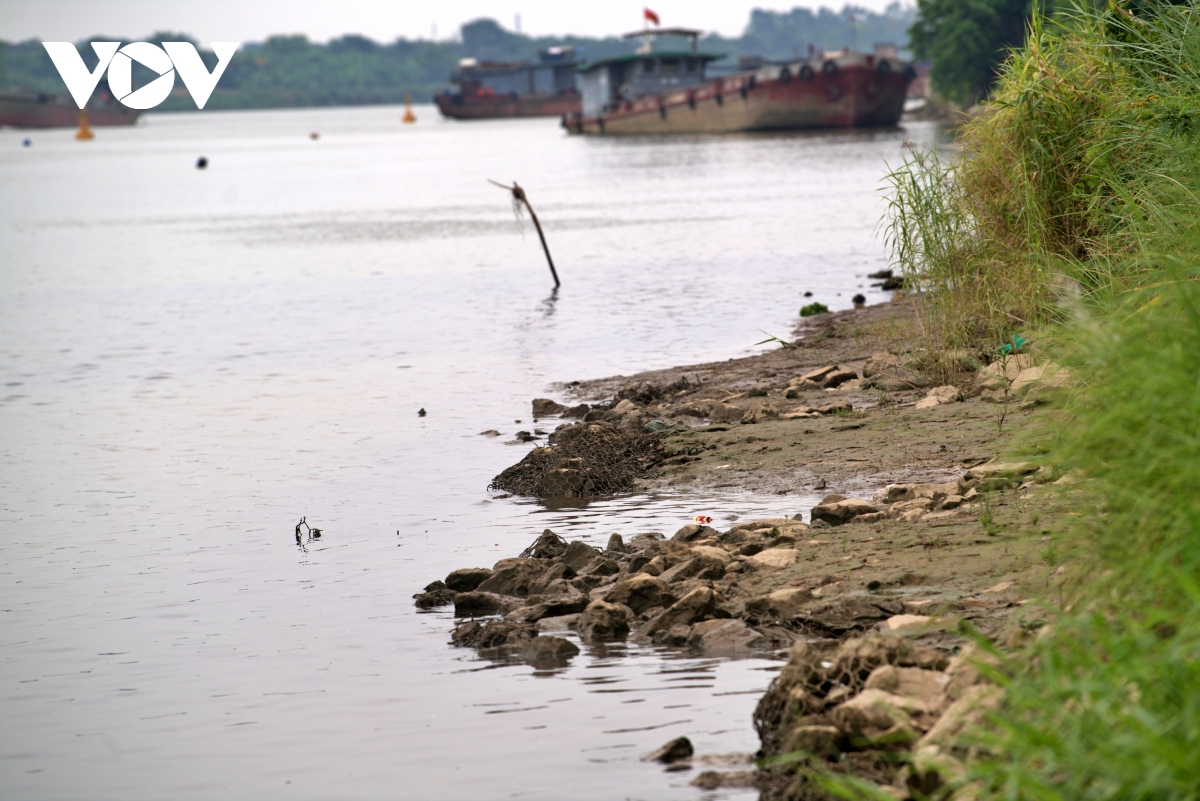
(84, 133)
(408, 112)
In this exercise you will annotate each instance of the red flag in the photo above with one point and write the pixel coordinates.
(650, 16)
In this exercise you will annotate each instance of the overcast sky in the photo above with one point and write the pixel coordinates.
(382, 20)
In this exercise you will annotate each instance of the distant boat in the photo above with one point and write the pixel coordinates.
(489, 89)
(665, 91)
(22, 109)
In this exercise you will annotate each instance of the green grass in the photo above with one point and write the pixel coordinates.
(1074, 218)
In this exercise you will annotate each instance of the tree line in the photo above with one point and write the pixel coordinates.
(291, 70)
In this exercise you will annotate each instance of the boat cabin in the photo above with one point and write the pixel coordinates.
(553, 73)
(655, 68)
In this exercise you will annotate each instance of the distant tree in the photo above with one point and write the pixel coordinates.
(967, 40)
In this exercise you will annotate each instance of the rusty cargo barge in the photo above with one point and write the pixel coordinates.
(665, 91)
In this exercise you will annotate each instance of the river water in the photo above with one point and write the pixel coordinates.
(192, 360)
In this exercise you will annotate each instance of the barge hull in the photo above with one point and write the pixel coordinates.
(854, 97)
(507, 107)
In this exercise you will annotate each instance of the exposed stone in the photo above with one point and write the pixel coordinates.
(839, 377)
(697, 605)
(616, 545)
(715, 779)
(480, 604)
(467, 578)
(545, 651)
(725, 413)
(544, 407)
(514, 577)
(927, 686)
(1038, 379)
(968, 711)
(874, 713)
(579, 411)
(640, 592)
(578, 555)
(938, 396)
(1008, 368)
(560, 623)
(492, 634)
(675, 751)
(729, 637)
(694, 531)
(881, 362)
(997, 474)
(640, 542)
(435, 595)
(760, 410)
(626, 406)
(604, 621)
(843, 511)
(913, 624)
(817, 376)
(825, 742)
(773, 558)
(846, 614)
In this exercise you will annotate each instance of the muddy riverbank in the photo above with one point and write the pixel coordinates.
(923, 536)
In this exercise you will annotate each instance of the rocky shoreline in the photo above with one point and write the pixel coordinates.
(920, 540)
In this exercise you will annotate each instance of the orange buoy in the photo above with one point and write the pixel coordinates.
(84, 133)
(702, 519)
(408, 112)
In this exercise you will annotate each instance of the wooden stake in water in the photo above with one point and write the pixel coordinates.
(519, 199)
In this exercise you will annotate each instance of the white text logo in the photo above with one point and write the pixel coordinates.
(118, 61)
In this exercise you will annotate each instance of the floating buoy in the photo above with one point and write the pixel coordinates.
(202, 163)
(84, 133)
(408, 112)
(26, 142)
(421, 413)
(314, 136)
(702, 519)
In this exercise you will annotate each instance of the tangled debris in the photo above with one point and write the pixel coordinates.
(584, 459)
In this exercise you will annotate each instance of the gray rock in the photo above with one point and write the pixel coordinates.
(694, 531)
(838, 512)
(515, 577)
(838, 377)
(492, 634)
(727, 637)
(601, 566)
(467, 579)
(725, 413)
(641, 592)
(675, 751)
(435, 595)
(616, 545)
(760, 410)
(604, 621)
(577, 411)
(555, 577)
(560, 623)
(480, 604)
(697, 605)
(544, 407)
(544, 652)
(640, 542)
(578, 555)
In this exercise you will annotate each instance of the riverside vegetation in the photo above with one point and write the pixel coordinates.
(998, 595)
